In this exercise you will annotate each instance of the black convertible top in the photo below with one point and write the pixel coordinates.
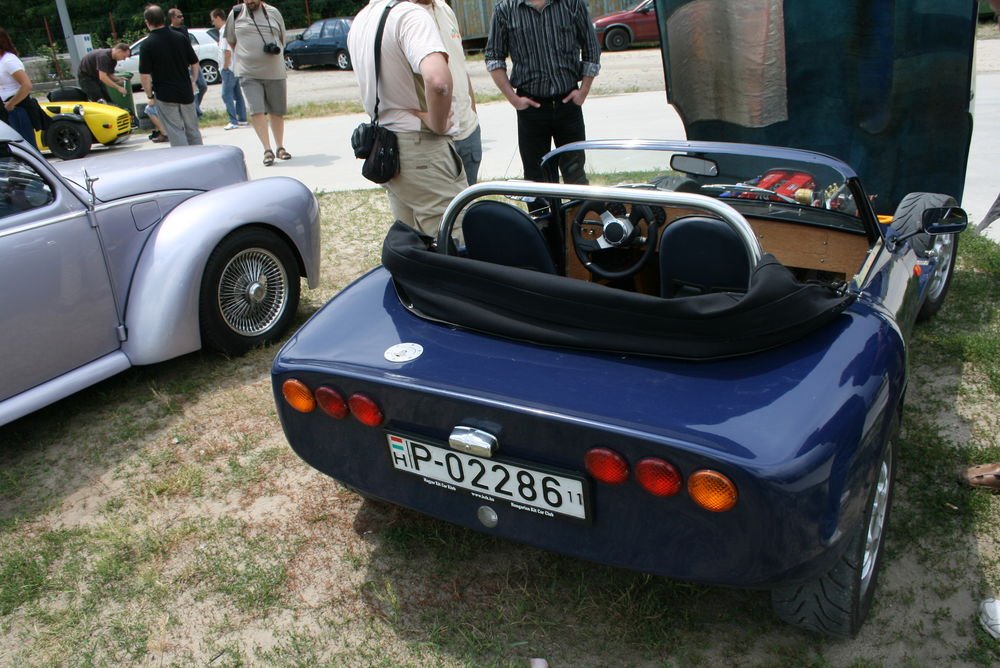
(554, 310)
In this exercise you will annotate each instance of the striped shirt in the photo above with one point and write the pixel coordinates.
(550, 50)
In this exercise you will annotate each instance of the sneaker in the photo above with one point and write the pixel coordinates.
(153, 135)
(159, 139)
(230, 126)
(244, 123)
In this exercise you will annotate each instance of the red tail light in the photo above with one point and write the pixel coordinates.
(658, 477)
(331, 402)
(365, 410)
(606, 465)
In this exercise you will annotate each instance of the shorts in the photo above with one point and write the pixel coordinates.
(150, 110)
(265, 96)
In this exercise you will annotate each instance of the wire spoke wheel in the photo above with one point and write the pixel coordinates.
(253, 290)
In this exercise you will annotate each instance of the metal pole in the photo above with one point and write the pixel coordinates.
(52, 48)
(74, 55)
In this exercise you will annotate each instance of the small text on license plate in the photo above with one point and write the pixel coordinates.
(530, 489)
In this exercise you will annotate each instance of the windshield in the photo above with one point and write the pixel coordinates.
(761, 181)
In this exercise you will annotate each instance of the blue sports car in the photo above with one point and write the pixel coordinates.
(692, 366)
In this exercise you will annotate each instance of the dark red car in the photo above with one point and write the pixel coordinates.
(618, 30)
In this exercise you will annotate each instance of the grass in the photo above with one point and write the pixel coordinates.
(160, 518)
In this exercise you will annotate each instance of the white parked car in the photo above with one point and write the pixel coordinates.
(205, 46)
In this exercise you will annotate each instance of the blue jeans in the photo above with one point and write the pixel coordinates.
(19, 120)
(470, 150)
(200, 95)
(232, 96)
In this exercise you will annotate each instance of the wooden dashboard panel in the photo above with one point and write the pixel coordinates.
(796, 245)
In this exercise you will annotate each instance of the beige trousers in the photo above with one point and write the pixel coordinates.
(430, 176)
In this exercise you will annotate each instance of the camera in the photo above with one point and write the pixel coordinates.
(271, 47)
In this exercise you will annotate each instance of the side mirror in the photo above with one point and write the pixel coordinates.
(944, 220)
(299, 36)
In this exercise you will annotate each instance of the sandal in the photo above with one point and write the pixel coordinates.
(984, 475)
(268, 158)
(283, 154)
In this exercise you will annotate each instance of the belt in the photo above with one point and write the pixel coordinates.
(545, 98)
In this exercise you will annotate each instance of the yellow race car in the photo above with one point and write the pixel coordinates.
(74, 124)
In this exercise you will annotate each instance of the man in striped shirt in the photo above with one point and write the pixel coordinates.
(555, 56)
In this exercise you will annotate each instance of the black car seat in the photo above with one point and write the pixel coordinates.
(501, 233)
(698, 255)
(67, 94)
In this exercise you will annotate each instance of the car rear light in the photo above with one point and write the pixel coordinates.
(658, 477)
(365, 410)
(712, 491)
(331, 402)
(298, 396)
(606, 466)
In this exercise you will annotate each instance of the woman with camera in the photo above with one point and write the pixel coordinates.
(256, 31)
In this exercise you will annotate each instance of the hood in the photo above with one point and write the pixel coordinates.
(884, 85)
(123, 174)
(602, 21)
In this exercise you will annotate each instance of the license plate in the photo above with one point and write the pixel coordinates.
(527, 488)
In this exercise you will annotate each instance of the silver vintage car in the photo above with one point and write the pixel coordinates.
(120, 260)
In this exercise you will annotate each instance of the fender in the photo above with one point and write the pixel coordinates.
(67, 116)
(624, 26)
(161, 313)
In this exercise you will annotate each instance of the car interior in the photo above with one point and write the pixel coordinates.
(667, 251)
(799, 209)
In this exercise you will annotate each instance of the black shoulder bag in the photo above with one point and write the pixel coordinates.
(372, 142)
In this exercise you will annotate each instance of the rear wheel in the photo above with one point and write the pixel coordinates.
(837, 603)
(210, 72)
(249, 291)
(68, 139)
(343, 60)
(617, 39)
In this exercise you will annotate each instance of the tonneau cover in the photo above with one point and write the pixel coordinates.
(553, 310)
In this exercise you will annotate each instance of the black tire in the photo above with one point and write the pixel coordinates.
(343, 60)
(290, 63)
(907, 220)
(210, 72)
(837, 603)
(68, 139)
(617, 39)
(249, 291)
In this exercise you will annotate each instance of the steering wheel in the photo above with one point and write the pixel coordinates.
(619, 232)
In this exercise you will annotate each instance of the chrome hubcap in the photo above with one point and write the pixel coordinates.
(253, 291)
(873, 537)
(944, 252)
